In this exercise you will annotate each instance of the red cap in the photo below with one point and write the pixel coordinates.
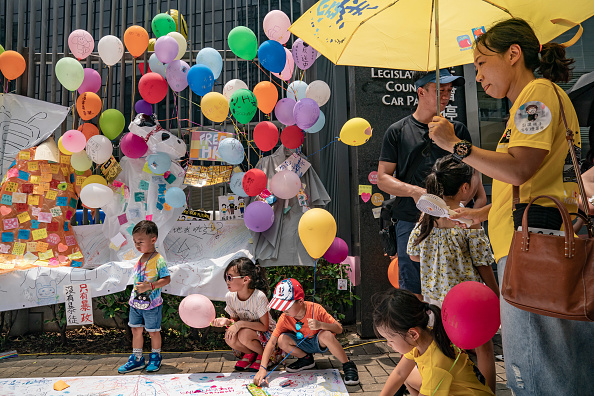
(285, 293)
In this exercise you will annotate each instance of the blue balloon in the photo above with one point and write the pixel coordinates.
(272, 56)
(175, 197)
(231, 151)
(318, 125)
(210, 57)
(200, 79)
(158, 163)
(236, 184)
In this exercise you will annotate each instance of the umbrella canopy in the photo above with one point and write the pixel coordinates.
(400, 34)
(582, 97)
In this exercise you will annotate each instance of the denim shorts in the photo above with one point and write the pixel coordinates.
(409, 271)
(307, 345)
(150, 319)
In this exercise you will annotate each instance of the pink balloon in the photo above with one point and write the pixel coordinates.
(287, 72)
(470, 314)
(74, 141)
(166, 49)
(197, 311)
(284, 111)
(306, 112)
(133, 146)
(304, 54)
(81, 43)
(258, 216)
(177, 75)
(91, 81)
(337, 252)
(285, 184)
(276, 26)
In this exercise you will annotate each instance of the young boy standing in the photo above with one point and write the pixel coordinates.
(150, 275)
(303, 329)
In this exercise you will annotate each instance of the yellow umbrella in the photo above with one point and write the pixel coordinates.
(402, 34)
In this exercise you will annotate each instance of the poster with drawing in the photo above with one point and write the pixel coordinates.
(231, 207)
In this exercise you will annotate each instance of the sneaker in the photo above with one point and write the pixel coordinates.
(351, 374)
(132, 365)
(303, 363)
(154, 363)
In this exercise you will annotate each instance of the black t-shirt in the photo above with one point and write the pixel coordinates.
(403, 141)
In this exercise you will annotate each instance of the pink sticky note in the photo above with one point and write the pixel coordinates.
(117, 183)
(70, 240)
(122, 219)
(10, 224)
(12, 172)
(44, 217)
(35, 211)
(365, 197)
(149, 217)
(53, 239)
(54, 262)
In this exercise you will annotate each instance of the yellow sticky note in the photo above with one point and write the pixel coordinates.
(11, 186)
(75, 255)
(80, 180)
(45, 168)
(55, 168)
(65, 170)
(23, 217)
(51, 195)
(24, 155)
(64, 159)
(33, 199)
(46, 177)
(6, 265)
(42, 246)
(32, 166)
(146, 168)
(31, 246)
(70, 187)
(60, 385)
(364, 188)
(41, 263)
(39, 234)
(45, 186)
(34, 179)
(18, 248)
(48, 254)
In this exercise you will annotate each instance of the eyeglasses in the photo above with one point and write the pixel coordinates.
(298, 327)
(230, 278)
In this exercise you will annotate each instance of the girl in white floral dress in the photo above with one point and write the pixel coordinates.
(449, 254)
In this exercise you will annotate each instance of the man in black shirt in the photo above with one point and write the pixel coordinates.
(403, 141)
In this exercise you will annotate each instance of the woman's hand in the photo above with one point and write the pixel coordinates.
(221, 322)
(259, 379)
(476, 215)
(441, 131)
(231, 332)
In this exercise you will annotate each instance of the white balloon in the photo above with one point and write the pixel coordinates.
(157, 66)
(99, 149)
(232, 86)
(319, 91)
(296, 90)
(285, 184)
(110, 50)
(95, 195)
(181, 43)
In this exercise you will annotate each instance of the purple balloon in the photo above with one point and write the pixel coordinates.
(303, 54)
(258, 216)
(284, 111)
(177, 75)
(337, 252)
(166, 49)
(306, 112)
(144, 107)
(91, 81)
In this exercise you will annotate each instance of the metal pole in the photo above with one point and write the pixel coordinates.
(437, 55)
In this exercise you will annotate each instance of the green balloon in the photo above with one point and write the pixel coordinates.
(162, 24)
(243, 42)
(243, 105)
(1, 49)
(112, 123)
(70, 73)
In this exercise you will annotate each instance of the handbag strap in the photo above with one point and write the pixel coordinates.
(576, 168)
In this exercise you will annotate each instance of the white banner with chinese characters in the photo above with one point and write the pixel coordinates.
(79, 308)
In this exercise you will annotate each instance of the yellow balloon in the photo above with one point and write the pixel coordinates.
(355, 132)
(184, 27)
(151, 46)
(215, 106)
(94, 179)
(61, 147)
(182, 44)
(317, 230)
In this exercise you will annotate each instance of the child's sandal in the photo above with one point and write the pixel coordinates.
(243, 364)
(255, 366)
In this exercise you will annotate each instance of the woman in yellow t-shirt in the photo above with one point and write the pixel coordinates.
(543, 355)
(431, 365)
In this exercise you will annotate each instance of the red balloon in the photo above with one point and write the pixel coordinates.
(254, 182)
(292, 137)
(266, 135)
(152, 87)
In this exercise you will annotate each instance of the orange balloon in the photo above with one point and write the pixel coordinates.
(393, 273)
(89, 130)
(136, 39)
(12, 64)
(266, 95)
(88, 105)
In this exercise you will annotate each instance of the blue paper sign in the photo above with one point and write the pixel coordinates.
(23, 234)
(144, 185)
(7, 237)
(24, 175)
(6, 199)
(62, 201)
(34, 224)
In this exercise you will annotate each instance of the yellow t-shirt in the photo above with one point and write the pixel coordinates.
(535, 121)
(434, 368)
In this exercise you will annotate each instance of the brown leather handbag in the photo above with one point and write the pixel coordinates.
(552, 275)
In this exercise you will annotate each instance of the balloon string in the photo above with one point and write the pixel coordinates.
(3, 86)
(194, 103)
(105, 90)
(133, 89)
(269, 76)
(336, 139)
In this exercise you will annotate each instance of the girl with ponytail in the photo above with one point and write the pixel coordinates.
(430, 364)
(250, 325)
